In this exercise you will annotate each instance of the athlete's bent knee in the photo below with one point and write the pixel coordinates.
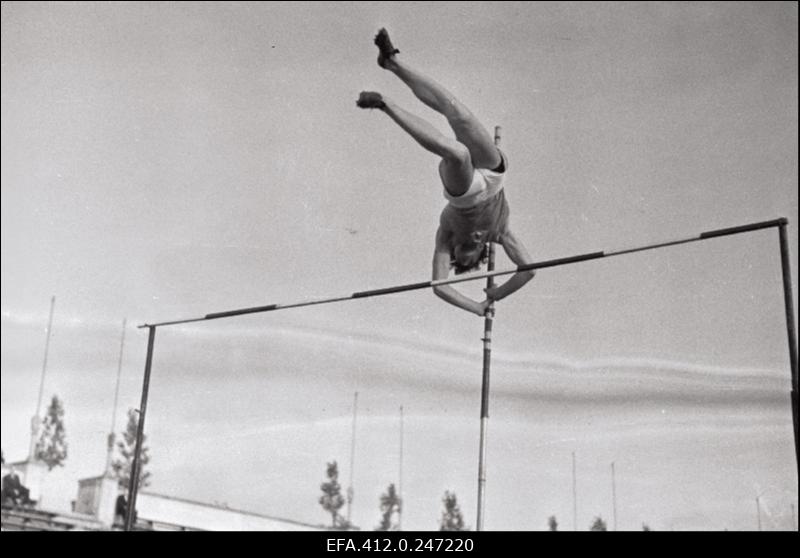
(457, 154)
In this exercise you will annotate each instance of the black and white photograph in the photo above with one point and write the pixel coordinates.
(363, 269)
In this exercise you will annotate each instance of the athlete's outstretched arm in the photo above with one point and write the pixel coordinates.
(519, 255)
(441, 269)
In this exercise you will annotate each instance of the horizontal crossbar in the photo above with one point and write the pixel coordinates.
(481, 275)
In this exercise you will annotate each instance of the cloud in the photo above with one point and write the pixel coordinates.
(433, 363)
(419, 345)
(293, 359)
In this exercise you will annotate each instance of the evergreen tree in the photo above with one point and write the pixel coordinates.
(552, 523)
(51, 448)
(645, 527)
(390, 504)
(452, 520)
(598, 525)
(126, 447)
(332, 499)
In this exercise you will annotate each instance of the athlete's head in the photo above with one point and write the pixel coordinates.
(470, 254)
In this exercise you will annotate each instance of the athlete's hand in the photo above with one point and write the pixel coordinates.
(483, 307)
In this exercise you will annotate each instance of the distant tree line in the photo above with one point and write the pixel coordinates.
(391, 505)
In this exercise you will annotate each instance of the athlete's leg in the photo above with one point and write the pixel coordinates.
(456, 167)
(468, 129)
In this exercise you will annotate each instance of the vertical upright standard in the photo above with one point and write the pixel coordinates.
(790, 328)
(133, 482)
(487, 356)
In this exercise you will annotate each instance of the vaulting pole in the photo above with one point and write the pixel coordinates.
(487, 361)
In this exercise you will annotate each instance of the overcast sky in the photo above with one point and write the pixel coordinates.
(166, 160)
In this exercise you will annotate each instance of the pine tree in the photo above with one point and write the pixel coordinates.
(452, 520)
(598, 525)
(51, 448)
(126, 447)
(332, 499)
(552, 523)
(390, 504)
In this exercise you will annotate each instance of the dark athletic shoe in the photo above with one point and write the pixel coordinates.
(385, 47)
(370, 99)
